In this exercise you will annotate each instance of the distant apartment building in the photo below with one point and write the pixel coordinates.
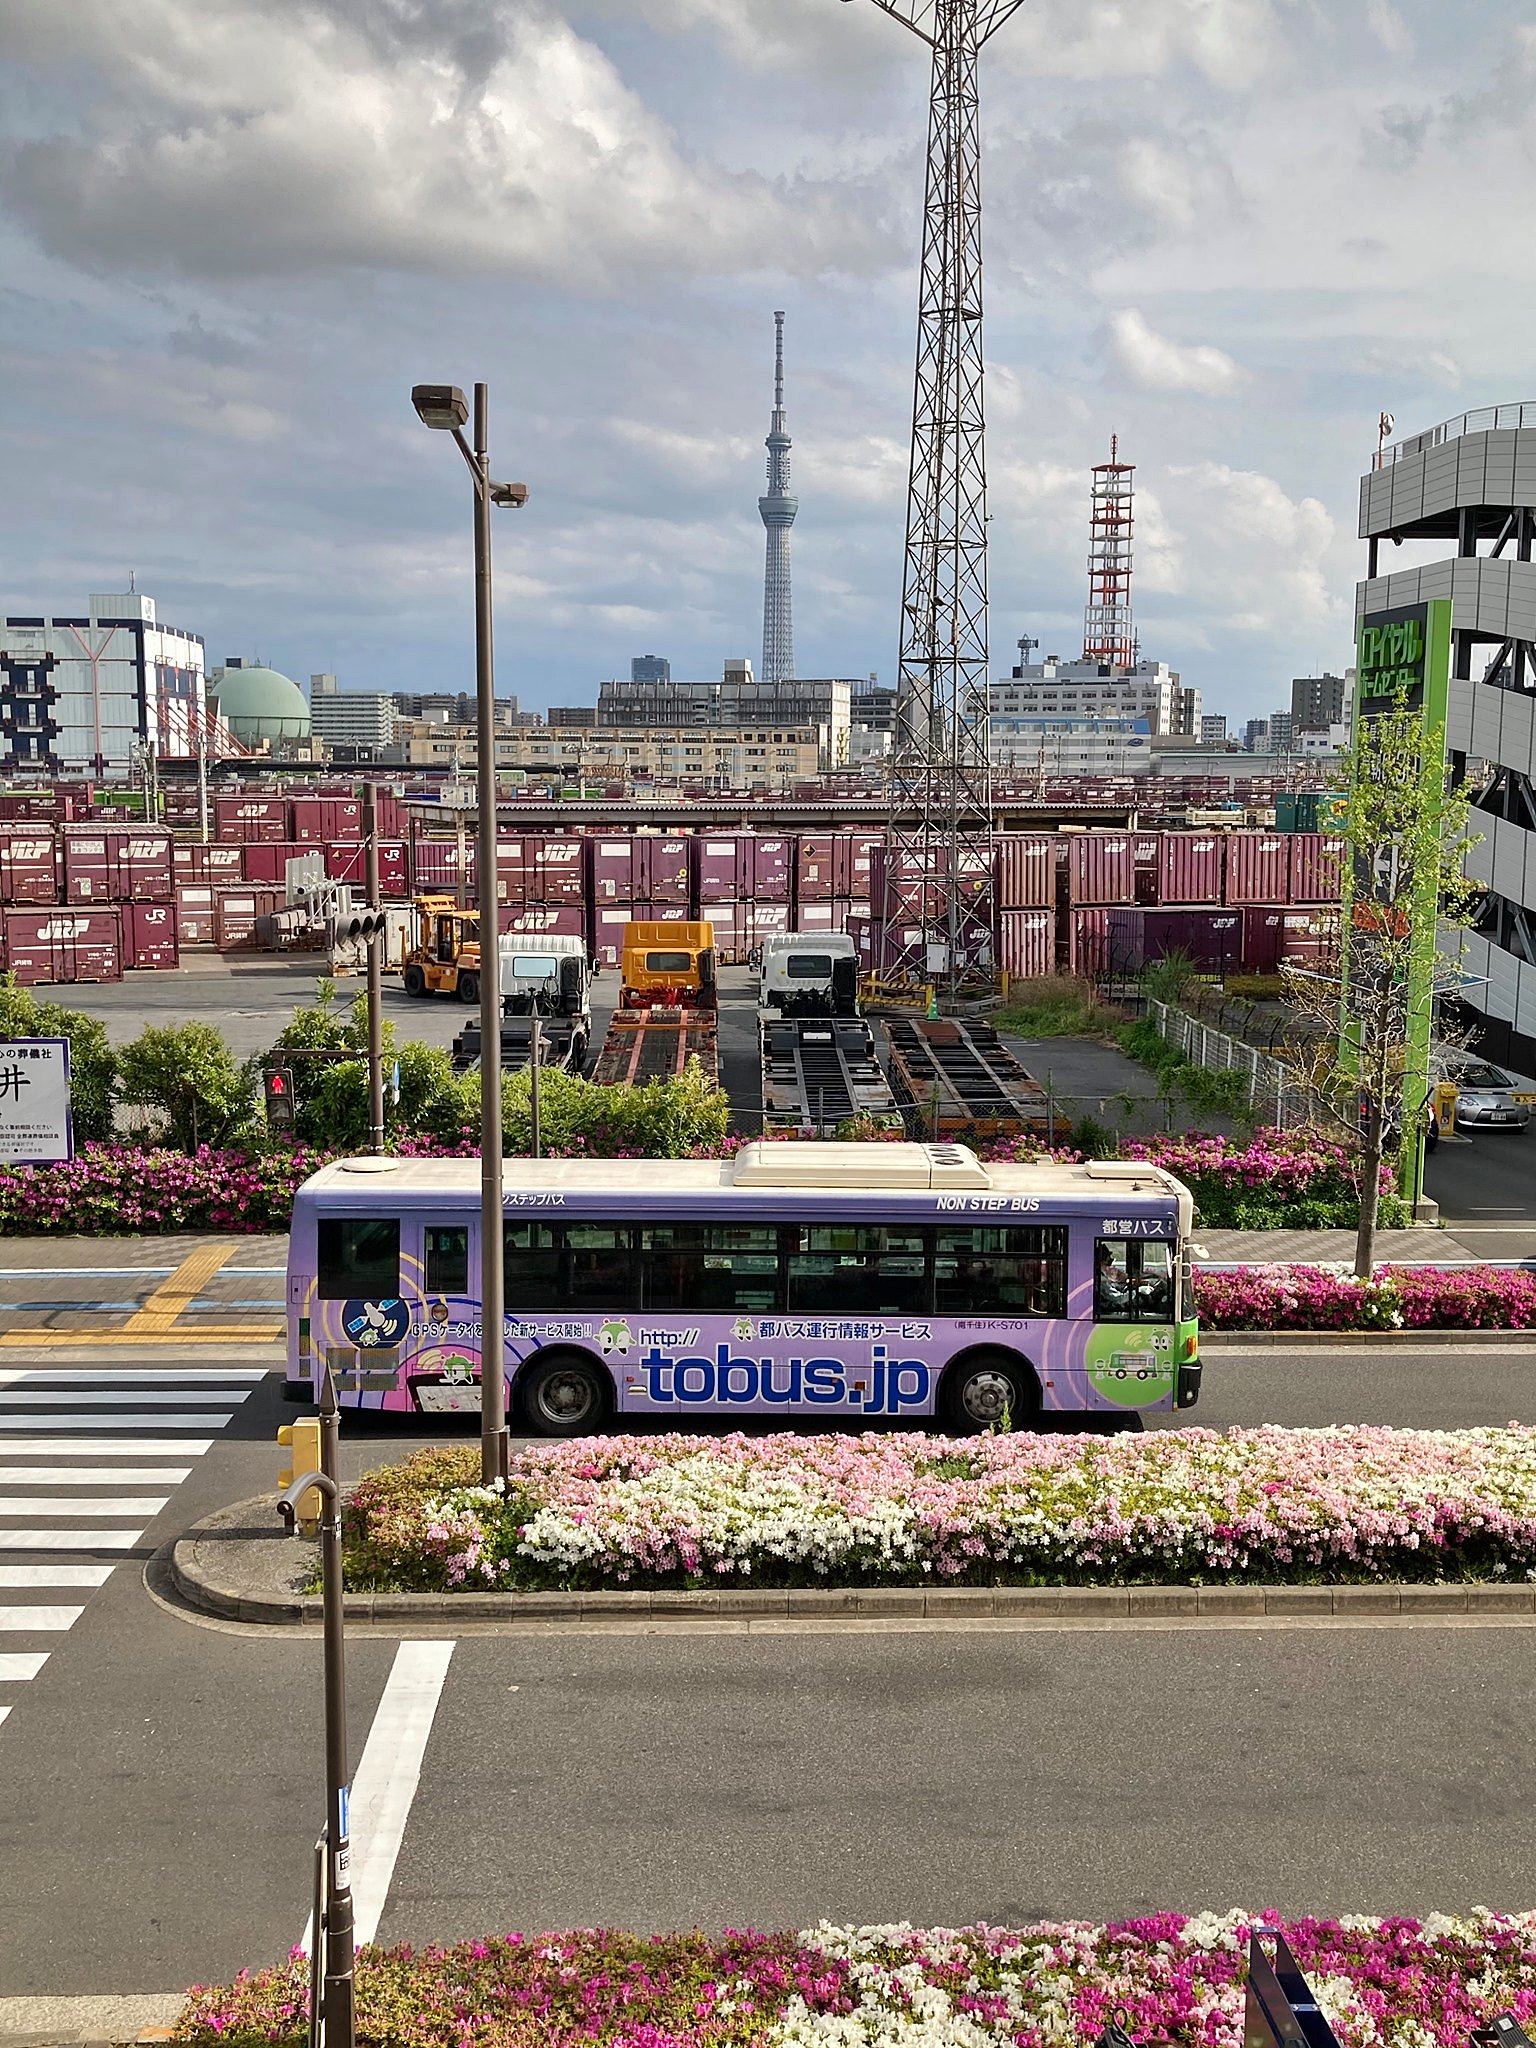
(1317, 702)
(1053, 688)
(738, 701)
(445, 707)
(81, 691)
(358, 721)
(770, 757)
(1256, 736)
(1213, 729)
(1026, 747)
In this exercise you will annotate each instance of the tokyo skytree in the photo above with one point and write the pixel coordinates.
(778, 508)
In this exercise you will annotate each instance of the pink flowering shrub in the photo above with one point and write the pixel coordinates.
(1282, 1297)
(1170, 1505)
(132, 1190)
(1398, 1983)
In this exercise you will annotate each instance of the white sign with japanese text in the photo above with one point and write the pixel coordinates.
(35, 1123)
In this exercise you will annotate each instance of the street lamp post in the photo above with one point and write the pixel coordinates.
(442, 406)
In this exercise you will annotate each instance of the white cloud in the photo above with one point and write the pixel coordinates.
(1155, 363)
(243, 138)
(1232, 42)
(1256, 559)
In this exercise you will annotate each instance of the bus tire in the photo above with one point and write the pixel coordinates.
(565, 1393)
(469, 988)
(989, 1390)
(414, 981)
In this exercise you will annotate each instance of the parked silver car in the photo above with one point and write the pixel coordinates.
(1485, 1096)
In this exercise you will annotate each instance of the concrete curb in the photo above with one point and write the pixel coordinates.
(201, 1588)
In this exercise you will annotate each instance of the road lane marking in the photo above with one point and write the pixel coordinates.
(131, 1375)
(94, 1475)
(52, 1578)
(13, 1425)
(43, 1504)
(3, 1712)
(139, 1447)
(107, 1390)
(18, 1665)
(71, 1539)
(43, 1618)
(388, 1773)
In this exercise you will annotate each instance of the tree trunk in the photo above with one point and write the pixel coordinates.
(1370, 1194)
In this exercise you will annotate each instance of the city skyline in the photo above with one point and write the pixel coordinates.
(1211, 235)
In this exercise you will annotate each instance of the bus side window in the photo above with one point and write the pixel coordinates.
(357, 1258)
(859, 1269)
(447, 1260)
(1132, 1280)
(598, 1268)
(982, 1269)
(531, 1252)
(710, 1268)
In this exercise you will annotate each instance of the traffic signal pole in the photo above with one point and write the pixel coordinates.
(375, 974)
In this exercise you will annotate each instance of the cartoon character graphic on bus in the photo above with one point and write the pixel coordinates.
(615, 1337)
(375, 1325)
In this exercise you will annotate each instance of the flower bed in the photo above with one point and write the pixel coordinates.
(1191, 1505)
(133, 1190)
(1398, 1298)
(1399, 1983)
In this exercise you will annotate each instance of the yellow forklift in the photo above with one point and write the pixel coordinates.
(445, 960)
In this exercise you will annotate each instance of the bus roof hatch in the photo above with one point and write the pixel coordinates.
(872, 1168)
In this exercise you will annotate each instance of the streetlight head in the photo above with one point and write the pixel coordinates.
(439, 405)
(509, 494)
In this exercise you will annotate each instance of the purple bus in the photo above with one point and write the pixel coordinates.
(843, 1282)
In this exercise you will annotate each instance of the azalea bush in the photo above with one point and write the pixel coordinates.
(137, 1190)
(1398, 1983)
(1187, 1505)
(1329, 1297)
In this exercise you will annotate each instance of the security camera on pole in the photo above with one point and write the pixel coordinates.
(442, 406)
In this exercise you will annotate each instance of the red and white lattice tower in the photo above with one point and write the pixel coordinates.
(1109, 635)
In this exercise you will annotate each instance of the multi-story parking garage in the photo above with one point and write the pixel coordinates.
(1466, 489)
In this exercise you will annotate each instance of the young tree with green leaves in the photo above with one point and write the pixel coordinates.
(194, 1089)
(1406, 838)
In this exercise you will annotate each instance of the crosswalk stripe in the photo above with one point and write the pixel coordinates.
(71, 1539)
(21, 1664)
(139, 1447)
(12, 1504)
(42, 1618)
(94, 1475)
(13, 1425)
(52, 1578)
(55, 1397)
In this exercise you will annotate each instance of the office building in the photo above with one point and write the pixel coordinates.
(1213, 729)
(1317, 702)
(1057, 689)
(767, 757)
(80, 692)
(360, 721)
(1025, 747)
(650, 668)
(738, 701)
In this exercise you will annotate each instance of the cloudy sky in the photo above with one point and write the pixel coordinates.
(234, 232)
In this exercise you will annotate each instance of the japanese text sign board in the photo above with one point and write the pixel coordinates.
(35, 1123)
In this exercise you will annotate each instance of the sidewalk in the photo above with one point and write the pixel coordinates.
(1393, 1247)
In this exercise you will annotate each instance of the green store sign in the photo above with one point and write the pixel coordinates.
(1391, 655)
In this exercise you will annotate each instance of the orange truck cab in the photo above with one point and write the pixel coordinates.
(668, 964)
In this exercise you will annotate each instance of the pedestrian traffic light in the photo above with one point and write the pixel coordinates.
(302, 1442)
(278, 1084)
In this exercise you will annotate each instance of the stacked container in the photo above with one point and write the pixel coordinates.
(1026, 943)
(240, 819)
(1101, 868)
(117, 864)
(1258, 867)
(62, 944)
(198, 863)
(740, 883)
(347, 861)
(1316, 868)
(242, 918)
(322, 820)
(1026, 871)
(29, 864)
(1190, 868)
(149, 935)
(1212, 940)
(196, 923)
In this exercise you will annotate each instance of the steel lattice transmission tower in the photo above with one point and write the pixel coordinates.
(778, 509)
(939, 831)
(1108, 632)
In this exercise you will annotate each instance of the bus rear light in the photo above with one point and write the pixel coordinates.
(1191, 1344)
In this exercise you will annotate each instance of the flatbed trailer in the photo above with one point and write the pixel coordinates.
(820, 1071)
(562, 1044)
(957, 1080)
(656, 1045)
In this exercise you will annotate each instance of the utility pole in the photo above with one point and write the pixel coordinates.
(375, 972)
(202, 781)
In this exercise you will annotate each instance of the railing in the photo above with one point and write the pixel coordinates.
(1273, 1092)
(1485, 420)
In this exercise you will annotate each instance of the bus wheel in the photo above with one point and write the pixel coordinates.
(565, 1394)
(989, 1390)
(415, 982)
(469, 988)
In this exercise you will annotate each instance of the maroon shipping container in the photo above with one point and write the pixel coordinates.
(1275, 936)
(663, 870)
(906, 882)
(62, 945)
(321, 820)
(1101, 868)
(556, 920)
(348, 862)
(817, 917)
(1026, 942)
(1258, 867)
(613, 870)
(437, 864)
(816, 863)
(149, 935)
(118, 864)
(1087, 941)
(29, 864)
(239, 916)
(1190, 867)
(265, 862)
(240, 819)
(1316, 867)
(742, 868)
(198, 863)
(553, 865)
(1026, 871)
(195, 921)
(1211, 939)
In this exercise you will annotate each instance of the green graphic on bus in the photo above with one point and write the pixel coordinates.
(1131, 1364)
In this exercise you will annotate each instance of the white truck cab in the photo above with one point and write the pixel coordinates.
(809, 974)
